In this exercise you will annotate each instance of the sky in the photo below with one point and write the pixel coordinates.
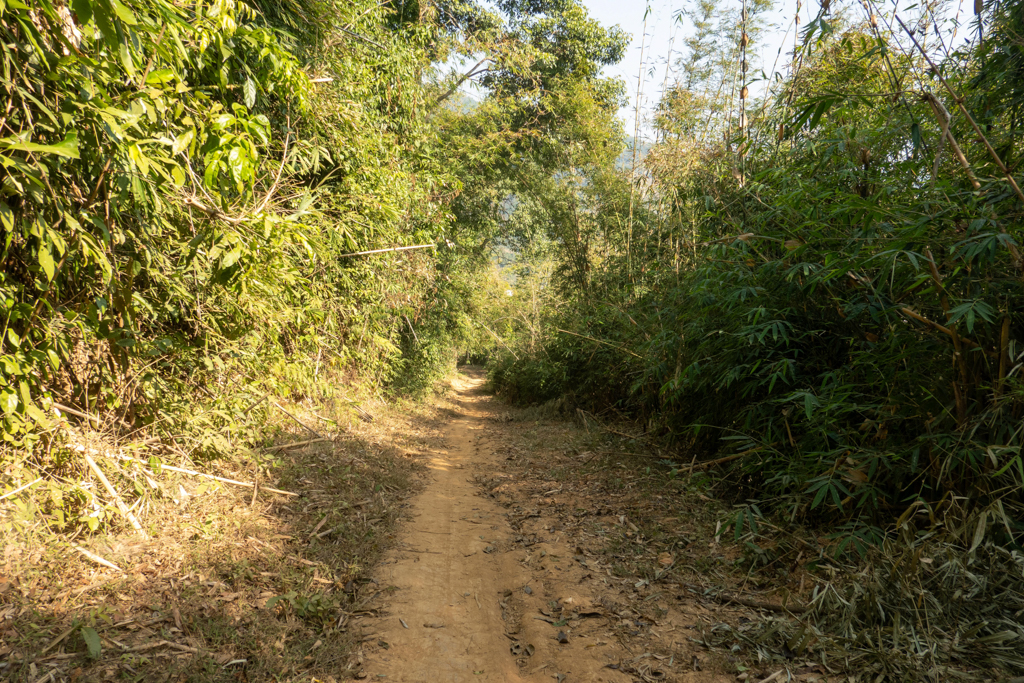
(653, 39)
(656, 38)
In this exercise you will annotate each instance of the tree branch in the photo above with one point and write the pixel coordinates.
(469, 74)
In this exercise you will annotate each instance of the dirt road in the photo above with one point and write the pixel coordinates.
(468, 603)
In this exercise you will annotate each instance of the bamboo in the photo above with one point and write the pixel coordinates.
(957, 346)
(712, 463)
(514, 355)
(298, 421)
(381, 251)
(207, 476)
(21, 488)
(96, 558)
(115, 495)
(77, 413)
(1004, 342)
(974, 124)
(941, 328)
(414, 335)
(599, 341)
(286, 446)
(943, 117)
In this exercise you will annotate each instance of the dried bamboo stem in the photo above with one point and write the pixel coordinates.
(974, 124)
(115, 495)
(286, 446)
(599, 341)
(96, 558)
(21, 488)
(941, 328)
(514, 355)
(712, 463)
(298, 421)
(381, 251)
(1004, 342)
(943, 118)
(207, 476)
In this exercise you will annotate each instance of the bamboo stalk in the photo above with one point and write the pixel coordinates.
(514, 355)
(286, 446)
(96, 558)
(21, 488)
(712, 463)
(974, 124)
(77, 413)
(957, 346)
(381, 251)
(116, 496)
(941, 328)
(599, 341)
(414, 335)
(206, 476)
(300, 422)
(1004, 342)
(943, 117)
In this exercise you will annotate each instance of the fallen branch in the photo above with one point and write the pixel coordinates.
(206, 476)
(21, 488)
(299, 422)
(286, 446)
(97, 559)
(711, 463)
(115, 495)
(747, 602)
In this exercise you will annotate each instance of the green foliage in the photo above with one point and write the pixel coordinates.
(836, 306)
(184, 186)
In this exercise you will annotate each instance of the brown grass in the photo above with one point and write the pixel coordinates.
(230, 586)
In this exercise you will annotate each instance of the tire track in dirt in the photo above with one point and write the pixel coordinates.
(464, 596)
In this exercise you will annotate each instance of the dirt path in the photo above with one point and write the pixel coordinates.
(464, 595)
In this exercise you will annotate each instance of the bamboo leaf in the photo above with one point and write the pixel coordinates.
(68, 147)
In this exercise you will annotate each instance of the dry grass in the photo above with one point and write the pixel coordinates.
(918, 608)
(229, 586)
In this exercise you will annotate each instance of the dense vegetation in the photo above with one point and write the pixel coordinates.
(821, 292)
(188, 187)
(818, 291)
